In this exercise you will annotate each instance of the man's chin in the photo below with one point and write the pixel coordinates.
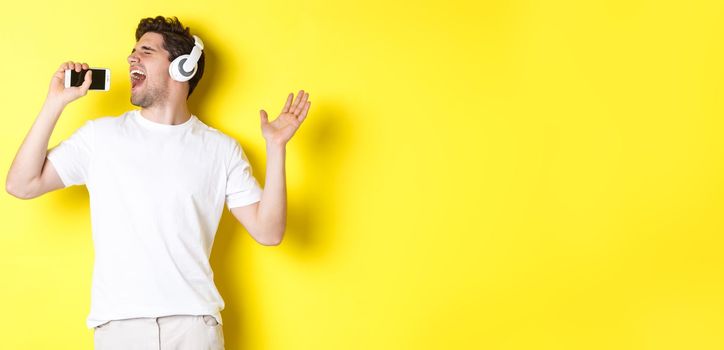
(146, 98)
(138, 100)
(138, 103)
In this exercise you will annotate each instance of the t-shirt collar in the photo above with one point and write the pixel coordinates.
(160, 126)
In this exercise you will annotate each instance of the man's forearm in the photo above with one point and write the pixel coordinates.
(272, 214)
(28, 162)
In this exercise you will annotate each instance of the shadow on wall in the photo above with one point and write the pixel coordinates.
(322, 144)
(312, 210)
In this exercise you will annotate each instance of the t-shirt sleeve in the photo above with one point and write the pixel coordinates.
(241, 186)
(72, 157)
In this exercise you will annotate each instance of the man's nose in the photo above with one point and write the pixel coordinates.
(132, 58)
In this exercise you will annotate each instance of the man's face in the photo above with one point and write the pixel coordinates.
(149, 71)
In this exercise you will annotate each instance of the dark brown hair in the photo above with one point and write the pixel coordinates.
(177, 40)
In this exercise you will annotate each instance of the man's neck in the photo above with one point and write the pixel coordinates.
(171, 114)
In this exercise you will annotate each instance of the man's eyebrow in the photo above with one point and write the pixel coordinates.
(144, 48)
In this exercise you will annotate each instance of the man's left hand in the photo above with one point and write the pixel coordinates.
(282, 129)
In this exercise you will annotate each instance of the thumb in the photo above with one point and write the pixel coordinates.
(264, 117)
(87, 80)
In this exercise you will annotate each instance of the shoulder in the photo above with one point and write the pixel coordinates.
(214, 135)
(99, 124)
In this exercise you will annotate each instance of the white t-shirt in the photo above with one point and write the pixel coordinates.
(157, 193)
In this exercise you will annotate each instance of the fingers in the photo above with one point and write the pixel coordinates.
(76, 66)
(66, 65)
(300, 95)
(300, 102)
(303, 113)
(297, 105)
(288, 103)
(60, 73)
(73, 66)
(299, 108)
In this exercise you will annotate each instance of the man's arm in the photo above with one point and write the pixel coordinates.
(266, 220)
(30, 174)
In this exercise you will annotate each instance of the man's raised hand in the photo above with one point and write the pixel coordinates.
(280, 130)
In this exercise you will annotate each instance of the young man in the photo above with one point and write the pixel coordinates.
(157, 179)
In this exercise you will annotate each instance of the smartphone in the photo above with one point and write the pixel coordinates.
(100, 80)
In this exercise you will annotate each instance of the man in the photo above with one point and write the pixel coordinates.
(157, 179)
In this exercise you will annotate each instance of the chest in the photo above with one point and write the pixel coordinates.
(168, 167)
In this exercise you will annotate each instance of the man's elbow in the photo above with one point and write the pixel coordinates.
(16, 192)
(272, 238)
(272, 243)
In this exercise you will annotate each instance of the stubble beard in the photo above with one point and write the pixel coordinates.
(148, 97)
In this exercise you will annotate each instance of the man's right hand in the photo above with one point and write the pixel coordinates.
(59, 94)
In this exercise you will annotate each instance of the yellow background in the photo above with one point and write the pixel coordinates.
(471, 175)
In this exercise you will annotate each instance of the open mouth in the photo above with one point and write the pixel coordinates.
(137, 78)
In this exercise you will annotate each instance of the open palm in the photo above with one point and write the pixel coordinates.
(280, 130)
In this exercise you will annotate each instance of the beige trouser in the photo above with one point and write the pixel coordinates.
(178, 332)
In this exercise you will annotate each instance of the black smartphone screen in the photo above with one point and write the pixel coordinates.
(98, 81)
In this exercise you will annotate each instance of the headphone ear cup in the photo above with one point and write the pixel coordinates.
(176, 69)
